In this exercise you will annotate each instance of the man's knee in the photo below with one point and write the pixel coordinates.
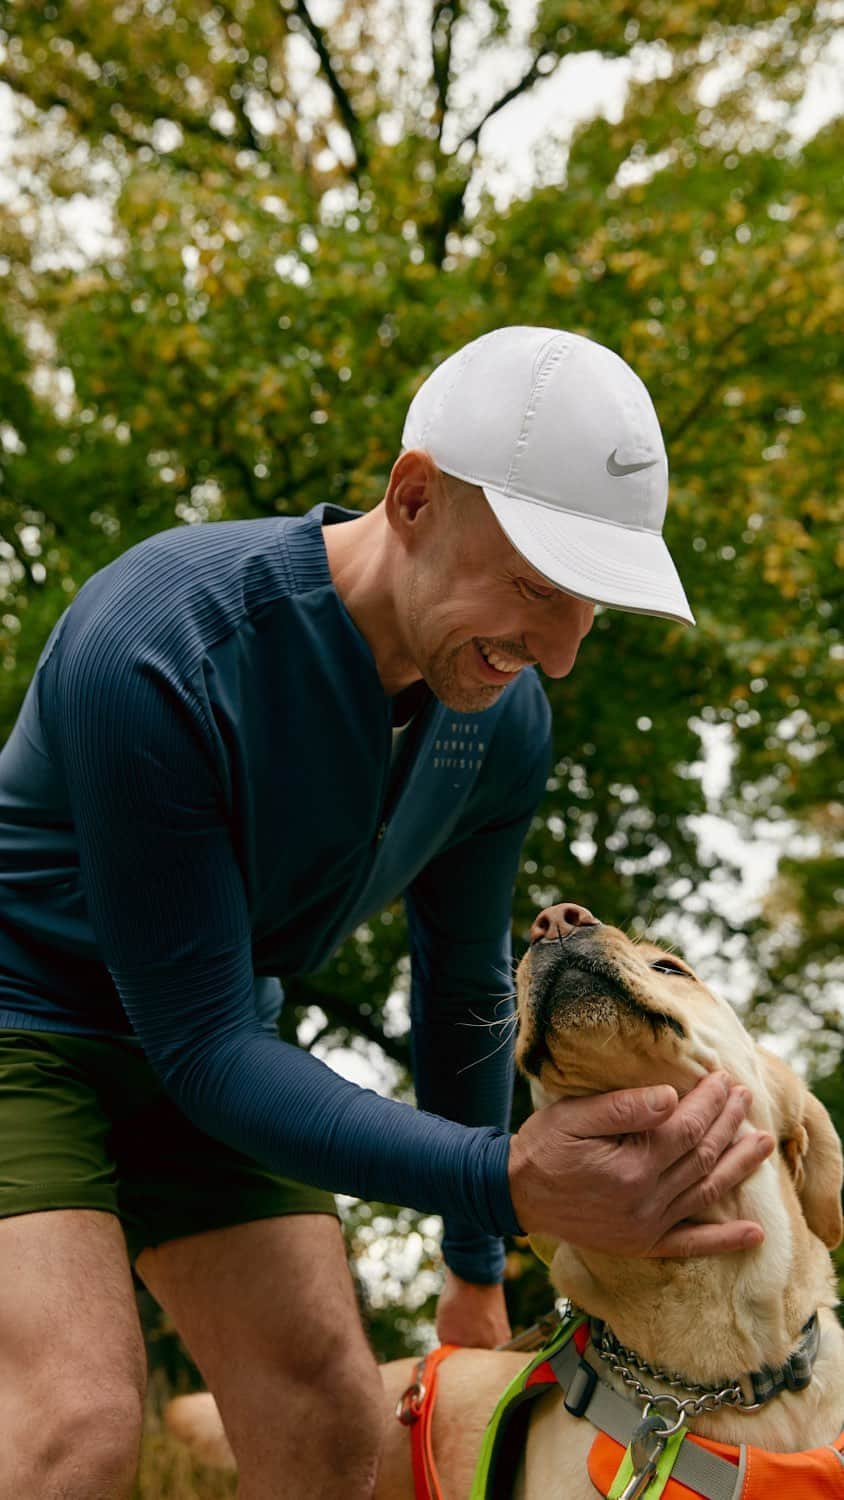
(348, 1416)
(337, 1403)
(81, 1442)
(73, 1369)
(351, 1397)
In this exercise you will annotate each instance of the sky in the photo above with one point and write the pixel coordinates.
(588, 85)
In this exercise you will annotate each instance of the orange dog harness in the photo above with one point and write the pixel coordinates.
(816, 1474)
(694, 1466)
(416, 1411)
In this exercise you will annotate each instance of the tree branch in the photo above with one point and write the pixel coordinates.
(238, 102)
(712, 385)
(341, 98)
(525, 82)
(238, 463)
(443, 18)
(452, 201)
(192, 125)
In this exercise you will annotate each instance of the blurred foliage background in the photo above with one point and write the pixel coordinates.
(287, 222)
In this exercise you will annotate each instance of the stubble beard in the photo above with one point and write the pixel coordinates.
(444, 681)
(441, 671)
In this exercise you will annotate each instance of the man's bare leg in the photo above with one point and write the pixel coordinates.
(72, 1367)
(268, 1311)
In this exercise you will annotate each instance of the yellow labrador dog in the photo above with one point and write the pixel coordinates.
(597, 1012)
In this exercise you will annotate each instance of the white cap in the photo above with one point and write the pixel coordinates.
(563, 439)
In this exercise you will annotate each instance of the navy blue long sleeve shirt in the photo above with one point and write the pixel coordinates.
(194, 800)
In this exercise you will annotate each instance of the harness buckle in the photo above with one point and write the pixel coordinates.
(581, 1386)
(646, 1445)
(410, 1403)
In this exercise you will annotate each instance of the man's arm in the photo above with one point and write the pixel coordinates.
(169, 910)
(462, 1006)
(462, 997)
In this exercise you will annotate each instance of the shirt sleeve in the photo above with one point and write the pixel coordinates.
(168, 906)
(462, 988)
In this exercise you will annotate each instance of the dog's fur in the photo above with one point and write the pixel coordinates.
(595, 1015)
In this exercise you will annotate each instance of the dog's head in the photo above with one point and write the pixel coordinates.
(599, 1012)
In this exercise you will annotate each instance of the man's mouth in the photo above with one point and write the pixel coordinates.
(497, 665)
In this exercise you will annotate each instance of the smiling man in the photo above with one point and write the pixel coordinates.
(240, 742)
(470, 611)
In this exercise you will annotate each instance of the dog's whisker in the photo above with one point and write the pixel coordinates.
(506, 974)
(504, 1000)
(487, 1025)
(505, 978)
(505, 1043)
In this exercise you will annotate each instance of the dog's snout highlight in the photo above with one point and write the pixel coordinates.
(561, 921)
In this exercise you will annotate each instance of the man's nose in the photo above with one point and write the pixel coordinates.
(556, 642)
(560, 921)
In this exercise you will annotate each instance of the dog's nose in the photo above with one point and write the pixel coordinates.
(559, 921)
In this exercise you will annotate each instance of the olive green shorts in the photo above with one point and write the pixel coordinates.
(85, 1123)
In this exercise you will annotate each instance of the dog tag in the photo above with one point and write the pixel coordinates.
(646, 1445)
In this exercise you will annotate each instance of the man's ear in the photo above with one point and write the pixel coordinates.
(811, 1149)
(414, 481)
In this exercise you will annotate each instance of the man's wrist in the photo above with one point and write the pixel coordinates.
(471, 1314)
(515, 1164)
(478, 1262)
(469, 1283)
(499, 1193)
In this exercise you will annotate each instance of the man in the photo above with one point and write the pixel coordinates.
(198, 795)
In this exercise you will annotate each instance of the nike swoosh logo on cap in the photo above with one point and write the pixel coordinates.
(617, 469)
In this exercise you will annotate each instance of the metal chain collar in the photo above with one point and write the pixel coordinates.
(710, 1398)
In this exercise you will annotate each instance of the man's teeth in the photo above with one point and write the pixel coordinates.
(501, 663)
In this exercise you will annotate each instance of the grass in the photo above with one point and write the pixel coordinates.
(167, 1471)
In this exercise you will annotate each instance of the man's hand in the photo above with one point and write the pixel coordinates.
(470, 1314)
(630, 1172)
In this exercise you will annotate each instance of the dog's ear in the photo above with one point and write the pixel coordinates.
(544, 1246)
(821, 1169)
(811, 1149)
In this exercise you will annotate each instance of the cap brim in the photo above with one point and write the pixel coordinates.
(606, 564)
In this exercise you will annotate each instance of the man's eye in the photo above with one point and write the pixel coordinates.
(665, 966)
(531, 590)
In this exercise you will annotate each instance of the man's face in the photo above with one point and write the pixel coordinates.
(476, 613)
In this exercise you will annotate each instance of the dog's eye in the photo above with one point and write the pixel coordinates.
(665, 966)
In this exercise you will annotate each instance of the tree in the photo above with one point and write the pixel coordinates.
(299, 231)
